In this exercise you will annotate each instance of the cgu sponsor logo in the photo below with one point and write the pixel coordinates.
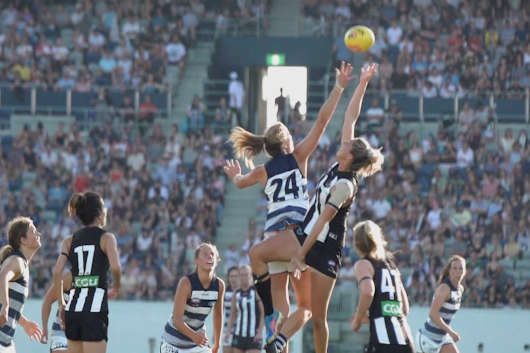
(390, 308)
(86, 281)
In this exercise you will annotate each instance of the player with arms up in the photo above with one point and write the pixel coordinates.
(284, 180)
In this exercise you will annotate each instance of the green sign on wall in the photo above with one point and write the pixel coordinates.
(275, 59)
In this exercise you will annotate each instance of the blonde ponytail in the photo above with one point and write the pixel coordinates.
(248, 146)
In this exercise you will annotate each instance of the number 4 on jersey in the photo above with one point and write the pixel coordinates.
(388, 284)
(290, 188)
(85, 268)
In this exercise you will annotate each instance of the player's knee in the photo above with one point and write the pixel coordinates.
(319, 322)
(254, 254)
(307, 314)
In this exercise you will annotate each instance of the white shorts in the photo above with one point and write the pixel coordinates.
(424, 344)
(58, 344)
(10, 349)
(227, 343)
(277, 267)
(169, 348)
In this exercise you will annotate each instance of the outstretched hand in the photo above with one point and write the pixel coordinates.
(232, 168)
(343, 74)
(368, 73)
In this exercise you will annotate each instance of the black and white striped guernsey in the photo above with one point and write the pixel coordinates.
(228, 307)
(447, 312)
(248, 314)
(90, 267)
(387, 321)
(18, 292)
(198, 307)
(336, 228)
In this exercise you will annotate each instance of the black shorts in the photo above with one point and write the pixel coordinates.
(86, 327)
(324, 257)
(389, 348)
(246, 343)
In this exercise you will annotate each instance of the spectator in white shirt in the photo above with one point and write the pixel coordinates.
(131, 28)
(48, 157)
(78, 16)
(176, 53)
(447, 90)
(375, 113)
(159, 189)
(435, 77)
(465, 157)
(60, 51)
(96, 40)
(236, 90)
(381, 207)
(24, 49)
(466, 117)
(433, 217)
(428, 90)
(394, 34)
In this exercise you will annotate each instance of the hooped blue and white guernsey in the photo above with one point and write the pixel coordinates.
(18, 293)
(286, 191)
(198, 307)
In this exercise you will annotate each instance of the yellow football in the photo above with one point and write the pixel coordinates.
(359, 38)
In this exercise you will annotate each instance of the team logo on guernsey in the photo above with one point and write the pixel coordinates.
(195, 302)
(455, 297)
(86, 281)
(391, 308)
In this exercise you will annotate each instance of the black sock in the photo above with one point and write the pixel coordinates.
(263, 287)
(280, 342)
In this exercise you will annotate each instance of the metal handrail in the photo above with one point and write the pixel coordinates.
(67, 95)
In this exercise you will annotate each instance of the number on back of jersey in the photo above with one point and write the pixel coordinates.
(287, 188)
(389, 285)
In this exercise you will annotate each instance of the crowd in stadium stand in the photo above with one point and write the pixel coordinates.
(164, 189)
(76, 45)
(446, 48)
(436, 198)
(467, 194)
(164, 193)
(481, 208)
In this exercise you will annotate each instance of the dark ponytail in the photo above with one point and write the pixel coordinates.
(87, 207)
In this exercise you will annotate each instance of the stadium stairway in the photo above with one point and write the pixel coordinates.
(283, 20)
(239, 207)
(195, 73)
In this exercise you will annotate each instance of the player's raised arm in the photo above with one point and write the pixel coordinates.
(304, 149)
(356, 102)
